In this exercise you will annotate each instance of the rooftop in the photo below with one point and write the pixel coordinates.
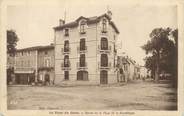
(36, 48)
(90, 20)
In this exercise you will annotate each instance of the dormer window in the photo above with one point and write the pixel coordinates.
(82, 27)
(104, 26)
(66, 32)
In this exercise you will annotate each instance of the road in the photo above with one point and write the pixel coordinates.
(132, 96)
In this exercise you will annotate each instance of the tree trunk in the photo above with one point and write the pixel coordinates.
(157, 70)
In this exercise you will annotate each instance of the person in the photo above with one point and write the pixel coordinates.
(117, 69)
(47, 79)
(121, 74)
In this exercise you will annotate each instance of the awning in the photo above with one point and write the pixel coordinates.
(24, 72)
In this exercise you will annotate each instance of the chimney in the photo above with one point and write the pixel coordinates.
(61, 22)
(109, 13)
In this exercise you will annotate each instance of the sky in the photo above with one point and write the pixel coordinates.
(34, 23)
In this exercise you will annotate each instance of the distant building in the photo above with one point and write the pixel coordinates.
(85, 50)
(130, 69)
(144, 73)
(34, 65)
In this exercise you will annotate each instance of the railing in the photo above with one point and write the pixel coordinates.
(107, 50)
(66, 50)
(65, 66)
(66, 34)
(79, 50)
(82, 32)
(104, 31)
(100, 66)
(79, 67)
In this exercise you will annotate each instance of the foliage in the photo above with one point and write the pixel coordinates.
(163, 52)
(12, 40)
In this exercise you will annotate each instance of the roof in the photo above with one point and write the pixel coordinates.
(36, 48)
(90, 20)
(126, 60)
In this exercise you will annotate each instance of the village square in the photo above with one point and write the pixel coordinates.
(85, 67)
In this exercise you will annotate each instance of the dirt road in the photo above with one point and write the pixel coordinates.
(132, 96)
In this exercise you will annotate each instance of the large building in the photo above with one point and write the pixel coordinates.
(85, 50)
(34, 65)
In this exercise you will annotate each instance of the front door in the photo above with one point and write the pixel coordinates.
(103, 77)
(66, 75)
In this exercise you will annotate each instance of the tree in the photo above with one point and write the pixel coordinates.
(150, 65)
(174, 34)
(11, 48)
(155, 46)
(12, 40)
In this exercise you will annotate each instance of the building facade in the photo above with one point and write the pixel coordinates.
(130, 70)
(85, 50)
(34, 65)
(46, 65)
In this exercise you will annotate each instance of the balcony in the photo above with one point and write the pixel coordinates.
(101, 67)
(102, 50)
(65, 51)
(83, 67)
(65, 66)
(82, 32)
(66, 34)
(46, 68)
(80, 50)
(104, 33)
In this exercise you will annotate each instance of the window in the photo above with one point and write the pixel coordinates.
(46, 52)
(104, 44)
(104, 26)
(66, 61)
(114, 64)
(82, 60)
(47, 62)
(66, 32)
(115, 51)
(82, 44)
(125, 67)
(66, 46)
(82, 75)
(82, 27)
(104, 60)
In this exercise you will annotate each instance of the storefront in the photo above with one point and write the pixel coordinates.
(24, 77)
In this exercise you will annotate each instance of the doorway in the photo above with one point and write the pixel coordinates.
(103, 77)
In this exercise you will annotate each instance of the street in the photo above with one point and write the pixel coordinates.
(137, 95)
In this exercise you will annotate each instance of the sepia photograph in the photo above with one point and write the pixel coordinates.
(92, 55)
